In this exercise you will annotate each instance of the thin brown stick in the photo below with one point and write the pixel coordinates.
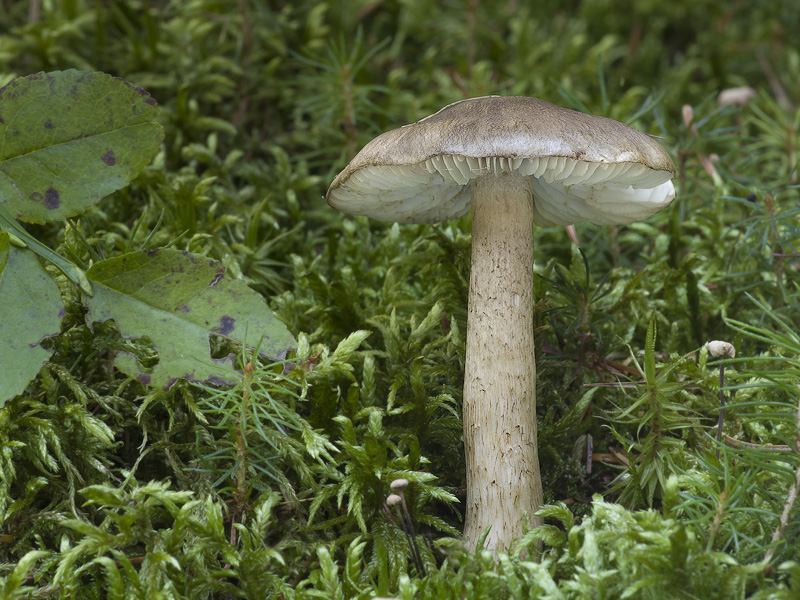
(411, 530)
(388, 513)
(33, 11)
(394, 500)
(740, 444)
(774, 82)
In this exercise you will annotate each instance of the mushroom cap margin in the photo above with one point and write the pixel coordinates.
(421, 170)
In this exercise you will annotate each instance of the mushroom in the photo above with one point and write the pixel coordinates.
(516, 161)
(738, 96)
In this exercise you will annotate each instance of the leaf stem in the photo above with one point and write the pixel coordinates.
(67, 267)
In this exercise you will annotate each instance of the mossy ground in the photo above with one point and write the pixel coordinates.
(274, 488)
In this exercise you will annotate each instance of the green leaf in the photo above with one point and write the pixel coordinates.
(559, 512)
(328, 573)
(115, 582)
(178, 300)
(32, 311)
(350, 344)
(650, 351)
(12, 585)
(70, 138)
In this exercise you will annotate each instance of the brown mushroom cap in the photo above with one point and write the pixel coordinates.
(580, 167)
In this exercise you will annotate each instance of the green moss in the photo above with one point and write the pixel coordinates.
(109, 488)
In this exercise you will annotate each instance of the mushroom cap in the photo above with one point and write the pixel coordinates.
(720, 349)
(393, 499)
(580, 167)
(399, 484)
(738, 96)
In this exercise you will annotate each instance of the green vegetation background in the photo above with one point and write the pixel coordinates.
(274, 488)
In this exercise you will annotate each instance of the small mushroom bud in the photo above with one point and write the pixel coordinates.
(399, 484)
(688, 114)
(407, 527)
(392, 500)
(718, 349)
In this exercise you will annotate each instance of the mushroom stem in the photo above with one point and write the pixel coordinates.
(503, 478)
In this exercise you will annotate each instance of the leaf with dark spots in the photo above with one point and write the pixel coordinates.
(169, 288)
(24, 324)
(144, 378)
(52, 199)
(226, 325)
(109, 158)
(148, 99)
(60, 128)
(220, 381)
